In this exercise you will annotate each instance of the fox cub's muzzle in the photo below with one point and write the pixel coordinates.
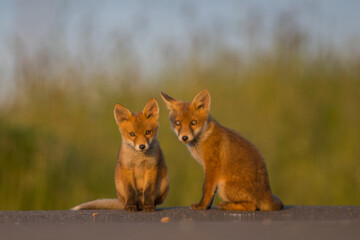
(142, 147)
(186, 137)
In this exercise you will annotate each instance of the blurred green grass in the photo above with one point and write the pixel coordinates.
(59, 141)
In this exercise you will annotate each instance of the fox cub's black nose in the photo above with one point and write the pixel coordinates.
(142, 146)
(184, 138)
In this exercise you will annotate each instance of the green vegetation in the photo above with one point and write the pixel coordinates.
(59, 141)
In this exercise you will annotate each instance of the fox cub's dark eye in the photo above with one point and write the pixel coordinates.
(132, 134)
(177, 123)
(193, 122)
(147, 132)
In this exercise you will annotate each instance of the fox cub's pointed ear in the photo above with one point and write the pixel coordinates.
(169, 101)
(151, 109)
(121, 113)
(202, 100)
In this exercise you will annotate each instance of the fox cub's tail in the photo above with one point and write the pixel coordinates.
(101, 204)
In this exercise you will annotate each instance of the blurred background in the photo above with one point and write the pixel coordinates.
(285, 74)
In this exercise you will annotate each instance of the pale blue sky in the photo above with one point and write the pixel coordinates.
(150, 24)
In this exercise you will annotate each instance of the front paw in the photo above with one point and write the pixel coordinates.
(149, 208)
(221, 205)
(130, 208)
(197, 206)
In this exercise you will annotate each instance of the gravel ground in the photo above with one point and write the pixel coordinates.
(294, 222)
(183, 214)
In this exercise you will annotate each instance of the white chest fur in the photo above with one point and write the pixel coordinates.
(196, 153)
(196, 150)
(130, 158)
(139, 162)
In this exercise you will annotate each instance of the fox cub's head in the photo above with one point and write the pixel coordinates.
(140, 129)
(188, 119)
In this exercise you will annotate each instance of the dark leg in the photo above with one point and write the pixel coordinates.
(209, 189)
(130, 203)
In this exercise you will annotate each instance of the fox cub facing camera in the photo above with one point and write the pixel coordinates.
(232, 165)
(141, 174)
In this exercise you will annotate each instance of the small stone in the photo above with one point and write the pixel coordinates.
(165, 220)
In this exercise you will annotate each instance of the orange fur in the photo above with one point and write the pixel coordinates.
(232, 165)
(140, 174)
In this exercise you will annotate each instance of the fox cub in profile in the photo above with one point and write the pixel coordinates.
(232, 165)
(141, 174)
